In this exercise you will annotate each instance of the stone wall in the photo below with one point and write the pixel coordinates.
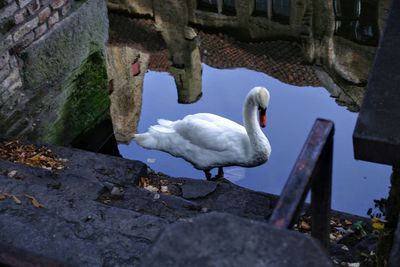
(53, 59)
(21, 23)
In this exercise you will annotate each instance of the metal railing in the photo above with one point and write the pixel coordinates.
(312, 171)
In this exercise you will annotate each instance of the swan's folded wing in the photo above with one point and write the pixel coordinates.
(217, 120)
(215, 136)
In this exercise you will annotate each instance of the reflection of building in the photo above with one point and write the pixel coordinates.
(339, 35)
(126, 96)
(172, 21)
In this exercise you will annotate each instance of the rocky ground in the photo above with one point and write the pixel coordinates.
(88, 209)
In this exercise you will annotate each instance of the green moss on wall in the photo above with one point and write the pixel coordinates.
(86, 101)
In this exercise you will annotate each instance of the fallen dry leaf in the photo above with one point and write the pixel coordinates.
(12, 173)
(151, 188)
(34, 201)
(347, 222)
(304, 226)
(43, 157)
(377, 224)
(14, 198)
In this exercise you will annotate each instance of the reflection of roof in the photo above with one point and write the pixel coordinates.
(280, 59)
(136, 33)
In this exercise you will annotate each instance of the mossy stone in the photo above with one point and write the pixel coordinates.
(86, 102)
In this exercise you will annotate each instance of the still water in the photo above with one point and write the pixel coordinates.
(291, 114)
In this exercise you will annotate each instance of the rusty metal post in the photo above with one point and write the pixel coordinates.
(313, 166)
(321, 192)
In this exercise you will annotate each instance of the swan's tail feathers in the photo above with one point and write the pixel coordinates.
(163, 126)
(145, 140)
(165, 123)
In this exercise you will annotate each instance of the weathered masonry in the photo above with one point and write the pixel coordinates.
(52, 67)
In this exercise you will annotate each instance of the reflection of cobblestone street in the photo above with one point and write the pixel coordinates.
(280, 59)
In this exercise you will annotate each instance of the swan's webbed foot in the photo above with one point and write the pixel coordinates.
(208, 175)
(220, 173)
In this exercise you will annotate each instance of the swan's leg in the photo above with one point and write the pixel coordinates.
(208, 174)
(220, 173)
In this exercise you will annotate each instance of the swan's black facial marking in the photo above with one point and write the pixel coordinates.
(262, 116)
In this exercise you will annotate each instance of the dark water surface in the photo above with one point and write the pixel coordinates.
(291, 114)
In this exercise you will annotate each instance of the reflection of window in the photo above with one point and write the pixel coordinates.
(261, 8)
(207, 5)
(357, 20)
(281, 11)
(228, 7)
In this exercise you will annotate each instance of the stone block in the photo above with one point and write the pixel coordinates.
(4, 58)
(24, 29)
(33, 6)
(66, 9)
(8, 11)
(13, 87)
(6, 42)
(58, 3)
(11, 79)
(20, 16)
(44, 15)
(53, 19)
(23, 3)
(44, 2)
(39, 31)
(13, 62)
(220, 239)
(28, 39)
(74, 38)
(4, 72)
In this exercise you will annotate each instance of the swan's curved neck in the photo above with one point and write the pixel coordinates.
(250, 121)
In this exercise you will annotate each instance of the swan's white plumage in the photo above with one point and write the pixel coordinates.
(208, 140)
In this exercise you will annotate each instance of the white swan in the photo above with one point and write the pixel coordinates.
(208, 141)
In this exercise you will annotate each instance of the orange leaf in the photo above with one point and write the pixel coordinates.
(34, 201)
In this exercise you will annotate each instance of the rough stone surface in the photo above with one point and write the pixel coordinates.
(20, 16)
(376, 136)
(218, 239)
(58, 3)
(84, 221)
(23, 3)
(44, 14)
(24, 29)
(53, 19)
(86, 27)
(196, 189)
(77, 227)
(4, 58)
(33, 6)
(4, 72)
(39, 31)
(8, 11)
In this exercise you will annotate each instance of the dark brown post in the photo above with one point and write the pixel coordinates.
(313, 169)
(321, 192)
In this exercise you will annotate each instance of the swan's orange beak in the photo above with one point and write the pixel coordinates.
(263, 117)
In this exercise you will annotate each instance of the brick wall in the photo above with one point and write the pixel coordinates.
(21, 23)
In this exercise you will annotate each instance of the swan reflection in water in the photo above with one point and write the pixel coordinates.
(209, 141)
